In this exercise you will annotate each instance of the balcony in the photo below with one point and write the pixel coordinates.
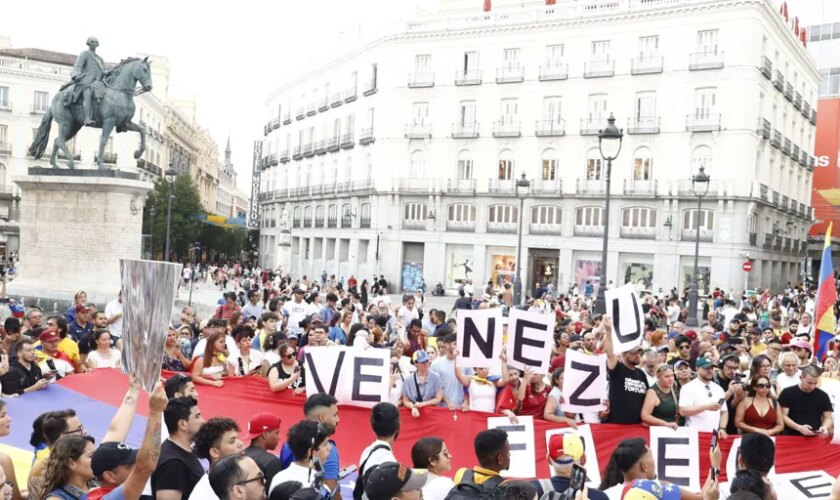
(640, 187)
(362, 186)
(797, 101)
(765, 65)
(275, 123)
(418, 131)
(141, 165)
(308, 150)
(794, 153)
(638, 233)
(501, 227)
(271, 160)
(504, 129)
(468, 77)
(789, 91)
(768, 241)
(350, 94)
(287, 118)
(501, 186)
(643, 125)
(592, 125)
(300, 113)
(591, 187)
(412, 185)
(803, 158)
(705, 60)
(366, 136)
(510, 75)
(465, 130)
(319, 223)
(460, 186)
(296, 153)
(551, 128)
(370, 88)
(763, 128)
(464, 226)
(811, 163)
(419, 80)
(284, 156)
(646, 65)
(108, 158)
(347, 141)
(806, 109)
(312, 108)
(414, 224)
(536, 228)
(598, 69)
(554, 71)
(364, 222)
(753, 239)
(774, 197)
(547, 186)
(706, 235)
(708, 122)
(813, 118)
(6, 149)
(332, 144)
(6, 106)
(320, 147)
(38, 109)
(776, 141)
(332, 222)
(346, 221)
(337, 100)
(785, 205)
(786, 147)
(77, 156)
(779, 82)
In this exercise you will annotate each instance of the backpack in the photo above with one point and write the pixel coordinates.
(359, 489)
(468, 489)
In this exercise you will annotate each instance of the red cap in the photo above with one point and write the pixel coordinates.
(690, 334)
(578, 327)
(80, 308)
(48, 336)
(262, 422)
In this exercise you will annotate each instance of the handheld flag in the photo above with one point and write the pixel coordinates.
(826, 298)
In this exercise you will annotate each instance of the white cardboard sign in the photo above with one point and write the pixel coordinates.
(522, 447)
(480, 338)
(593, 471)
(354, 377)
(584, 382)
(628, 318)
(676, 456)
(529, 340)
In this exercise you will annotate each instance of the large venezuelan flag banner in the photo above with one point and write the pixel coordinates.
(825, 322)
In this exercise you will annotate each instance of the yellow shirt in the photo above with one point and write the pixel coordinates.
(758, 349)
(66, 345)
(479, 475)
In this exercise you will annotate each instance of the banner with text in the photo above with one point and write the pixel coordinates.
(628, 318)
(529, 339)
(584, 382)
(352, 376)
(480, 339)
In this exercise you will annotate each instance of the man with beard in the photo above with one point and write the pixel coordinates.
(178, 469)
(216, 439)
(628, 383)
(702, 401)
(23, 375)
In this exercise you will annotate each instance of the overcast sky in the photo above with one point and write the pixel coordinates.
(229, 55)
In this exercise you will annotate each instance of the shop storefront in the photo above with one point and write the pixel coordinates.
(460, 265)
(502, 265)
(411, 275)
(637, 269)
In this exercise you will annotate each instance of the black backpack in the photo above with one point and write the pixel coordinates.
(359, 489)
(468, 489)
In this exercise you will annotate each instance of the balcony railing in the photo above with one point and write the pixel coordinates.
(460, 186)
(643, 125)
(775, 197)
(418, 131)
(414, 223)
(501, 227)
(110, 158)
(287, 118)
(332, 144)
(312, 108)
(776, 140)
(813, 118)
(347, 141)
(468, 77)
(547, 186)
(582, 230)
(591, 187)
(308, 150)
(551, 128)
(501, 186)
(296, 153)
(765, 65)
(337, 100)
(779, 81)
(366, 136)
(332, 222)
(646, 65)
(319, 223)
(365, 185)
(592, 125)
(465, 130)
(786, 147)
(537, 228)
(797, 101)
(412, 185)
(364, 222)
(462, 226)
(320, 147)
(598, 69)
(789, 91)
(806, 109)
(507, 129)
(706, 235)
(421, 80)
(554, 71)
(6, 149)
(510, 75)
(794, 153)
(346, 221)
(38, 109)
(275, 123)
(639, 187)
(763, 128)
(638, 233)
(705, 60)
(271, 160)
(803, 158)
(370, 88)
(300, 113)
(5, 106)
(324, 104)
(350, 94)
(709, 122)
(284, 156)
(141, 164)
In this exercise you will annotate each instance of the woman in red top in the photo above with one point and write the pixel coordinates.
(759, 412)
(524, 397)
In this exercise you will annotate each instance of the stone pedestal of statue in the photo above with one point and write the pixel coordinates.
(75, 226)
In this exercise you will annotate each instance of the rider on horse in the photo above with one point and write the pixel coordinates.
(87, 79)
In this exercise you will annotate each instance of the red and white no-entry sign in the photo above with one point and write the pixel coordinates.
(747, 266)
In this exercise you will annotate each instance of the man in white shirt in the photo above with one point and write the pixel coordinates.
(385, 422)
(702, 401)
(309, 441)
(673, 311)
(296, 310)
(216, 439)
(114, 315)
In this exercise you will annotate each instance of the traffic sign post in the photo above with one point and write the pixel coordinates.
(747, 266)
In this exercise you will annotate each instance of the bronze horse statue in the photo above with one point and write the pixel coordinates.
(115, 109)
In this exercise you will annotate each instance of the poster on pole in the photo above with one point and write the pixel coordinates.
(584, 383)
(522, 446)
(676, 456)
(529, 340)
(479, 334)
(628, 318)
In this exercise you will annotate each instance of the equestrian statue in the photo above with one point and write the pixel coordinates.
(107, 102)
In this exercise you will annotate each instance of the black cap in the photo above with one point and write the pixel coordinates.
(111, 455)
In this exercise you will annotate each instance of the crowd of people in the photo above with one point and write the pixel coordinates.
(749, 370)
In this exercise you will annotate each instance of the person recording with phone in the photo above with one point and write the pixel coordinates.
(567, 459)
(24, 374)
(702, 401)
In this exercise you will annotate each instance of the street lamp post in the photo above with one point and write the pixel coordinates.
(152, 213)
(195, 249)
(170, 178)
(525, 184)
(699, 186)
(609, 144)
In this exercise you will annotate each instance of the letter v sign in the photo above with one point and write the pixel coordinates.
(317, 380)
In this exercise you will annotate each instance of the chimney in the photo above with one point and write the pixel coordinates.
(487, 5)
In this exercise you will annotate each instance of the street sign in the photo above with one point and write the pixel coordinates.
(747, 266)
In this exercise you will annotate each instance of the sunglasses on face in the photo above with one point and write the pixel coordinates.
(290, 356)
(762, 386)
(684, 347)
(259, 477)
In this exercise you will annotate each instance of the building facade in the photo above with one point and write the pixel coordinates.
(401, 158)
(227, 185)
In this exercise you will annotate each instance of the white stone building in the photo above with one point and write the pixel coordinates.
(400, 157)
(227, 185)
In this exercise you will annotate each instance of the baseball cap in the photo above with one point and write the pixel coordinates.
(80, 308)
(420, 356)
(566, 444)
(691, 334)
(17, 310)
(650, 489)
(682, 362)
(110, 455)
(575, 338)
(262, 422)
(387, 480)
(703, 362)
(802, 344)
(48, 336)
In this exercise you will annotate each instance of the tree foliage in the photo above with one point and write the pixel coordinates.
(186, 208)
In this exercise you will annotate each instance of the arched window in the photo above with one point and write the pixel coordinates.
(417, 164)
(465, 165)
(704, 218)
(502, 218)
(332, 216)
(319, 216)
(701, 156)
(505, 165)
(593, 165)
(589, 221)
(638, 217)
(460, 216)
(364, 218)
(546, 219)
(296, 217)
(642, 165)
(414, 215)
(346, 217)
(549, 165)
(308, 221)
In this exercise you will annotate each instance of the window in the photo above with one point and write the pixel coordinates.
(707, 41)
(648, 47)
(505, 165)
(461, 213)
(373, 76)
(422, 63)
(511, 58)
(308, 221)
(470, 62)
(549, 165)
(705, 102)
(319, 216)
(554, 55)
(4, 134)
(466, 112)
(596, 107)
(593, 165)
(701, 156)
(642, 165)
(546, 215)
(4, 97)
(600, 51)
(502, 214)
(706, 219)
(645, 112)
(589, 216)
(369, 119)
(336, 128)
(830, 84)
(420, 113)
(364, 219)
(552, 110)
(354, 82)
(509, 111)
(414, 212)
(465, 166)
(638, 217)
(41, 101)
(346, 218)
(417, 165)
(348, 124)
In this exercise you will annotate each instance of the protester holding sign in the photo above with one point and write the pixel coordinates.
(482, 391)
(628, 383)
(552, 411)
(529, 399)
